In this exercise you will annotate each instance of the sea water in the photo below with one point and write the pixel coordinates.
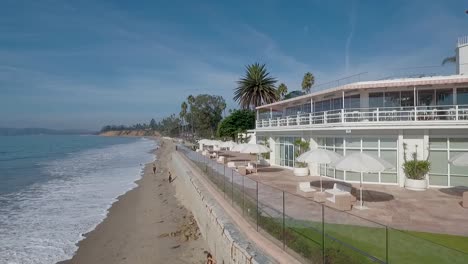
(54, 189)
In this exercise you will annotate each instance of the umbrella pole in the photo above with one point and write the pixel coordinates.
(360, 190)
(321, 188)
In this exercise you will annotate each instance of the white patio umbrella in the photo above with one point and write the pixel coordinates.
(362, 163)
(228, 144)
(253, 149)
(238, 147)
(320, 156)
(460, 160)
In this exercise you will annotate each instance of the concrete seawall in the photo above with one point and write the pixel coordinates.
(225, 241)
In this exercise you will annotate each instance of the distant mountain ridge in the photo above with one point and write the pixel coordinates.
(7, 131)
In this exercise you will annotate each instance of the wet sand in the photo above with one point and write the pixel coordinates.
(145, 225)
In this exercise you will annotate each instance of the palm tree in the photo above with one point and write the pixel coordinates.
(256, 87)
(452, 59)
(307, 82)
(183, 113)
(191, 100)
(282, 91)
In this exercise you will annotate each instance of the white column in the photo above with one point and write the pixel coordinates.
(400, 159)
(455, 96)
(342, 97)
(271, 113)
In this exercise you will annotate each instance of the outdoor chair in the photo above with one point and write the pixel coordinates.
(250, 167)
(340, 202)
(304, 189)
(231, 164)
(465, 200)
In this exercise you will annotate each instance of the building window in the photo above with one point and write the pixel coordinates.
(392, 99)
(352, 101)
(444, 97)
(443, 173)
(376, 100)
(385, 148)
(462, 96)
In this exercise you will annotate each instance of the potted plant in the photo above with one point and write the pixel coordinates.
(415, 171)
(300, 168)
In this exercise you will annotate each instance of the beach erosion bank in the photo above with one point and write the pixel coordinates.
(145, 225)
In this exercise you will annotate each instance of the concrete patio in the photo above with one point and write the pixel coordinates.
(433, 210)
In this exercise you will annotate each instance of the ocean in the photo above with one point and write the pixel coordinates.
(53, 189)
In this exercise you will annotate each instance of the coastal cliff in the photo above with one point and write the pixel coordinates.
(131, 133)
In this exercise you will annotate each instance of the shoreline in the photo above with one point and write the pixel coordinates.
(147, 224)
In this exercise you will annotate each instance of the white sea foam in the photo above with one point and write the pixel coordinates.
(43, 223)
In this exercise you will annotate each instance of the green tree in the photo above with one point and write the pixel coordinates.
(153, 124)
(191, 100)
(257, 87)
(237, 121)
(207, 113)
(307, 82)
(183, 114)
(282, 91)
(452, 59)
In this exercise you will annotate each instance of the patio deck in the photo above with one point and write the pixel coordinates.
(433, 210)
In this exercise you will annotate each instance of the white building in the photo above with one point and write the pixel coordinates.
(428, 114)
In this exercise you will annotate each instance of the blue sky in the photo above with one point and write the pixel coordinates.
(83, 64)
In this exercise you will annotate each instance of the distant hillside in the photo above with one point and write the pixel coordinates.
(131, 133)
(6, 131)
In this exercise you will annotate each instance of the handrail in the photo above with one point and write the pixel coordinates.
(371, 115)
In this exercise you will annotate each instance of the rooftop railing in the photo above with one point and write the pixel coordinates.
(446, 113)
(462, 41)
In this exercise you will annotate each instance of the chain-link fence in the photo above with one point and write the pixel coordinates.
(313, 232)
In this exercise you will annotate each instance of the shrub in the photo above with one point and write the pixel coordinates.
(415, 169)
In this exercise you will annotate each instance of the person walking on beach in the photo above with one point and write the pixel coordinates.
(170, 177)
(154, 168)
(209, 259)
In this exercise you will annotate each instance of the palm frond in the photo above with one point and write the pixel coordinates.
(452, 59)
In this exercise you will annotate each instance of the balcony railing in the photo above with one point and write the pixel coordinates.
(444, 113)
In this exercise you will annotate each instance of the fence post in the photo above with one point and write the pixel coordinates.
(243, 197)
(323, 234)
(386, 244)
(257, 204)
(232, 187)
(284, 226)
(224, 183)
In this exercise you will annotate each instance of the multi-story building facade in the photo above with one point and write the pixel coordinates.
(387, 118)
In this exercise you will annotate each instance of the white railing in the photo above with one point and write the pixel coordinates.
(371, 115)
(462, 41)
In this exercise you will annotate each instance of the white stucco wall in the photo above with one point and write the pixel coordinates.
(462, 59)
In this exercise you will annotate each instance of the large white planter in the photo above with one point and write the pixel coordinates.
(416, 185)
(301, 172)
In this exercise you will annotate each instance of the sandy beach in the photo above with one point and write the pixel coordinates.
(145, 225)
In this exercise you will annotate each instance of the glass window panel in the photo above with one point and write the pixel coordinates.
(353, 143)
(339, 174)
(353, 101)
(337, 103)
(425, 97)
(460, 170)
(456, 180)
(376, 100)
(407, 98)
(323, 170)
(389, 156)
(374, 153)
(320, 141)
(330, 172)
(339, 142)
(340, 151)
(462, 96)
(439, 161)
(459, 143)
(392, 99)
(277, 154)
(370, 143)
(388, 143)
(436, 179)
(353, 176)
(330, 142)
(444, 97)
(438, 143)
(370, 177)
(388, 177)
